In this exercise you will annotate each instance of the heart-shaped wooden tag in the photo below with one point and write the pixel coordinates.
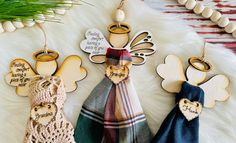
(190, 110)
(117, 73)
(44, 114)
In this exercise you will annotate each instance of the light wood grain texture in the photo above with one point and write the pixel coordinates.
(44, 114)
(42, 68)
(19, 76)
(173, 76)
(117, 73)
(71, 71)
(190, 110)
(21, 73)
(140, 46)
(172, 73)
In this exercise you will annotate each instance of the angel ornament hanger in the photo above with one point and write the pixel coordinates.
(113, 107)
(21, 72)
(193, 93)
(46, 87)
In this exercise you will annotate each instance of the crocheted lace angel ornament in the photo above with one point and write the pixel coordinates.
(46, 86)
(47, 122)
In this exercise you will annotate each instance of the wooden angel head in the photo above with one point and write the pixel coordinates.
(118, 35)
(46, 64)
(139, 47)
(173, 77)
(44, 61)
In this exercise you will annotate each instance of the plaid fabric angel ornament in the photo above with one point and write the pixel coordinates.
(112, 113)
(195, 90)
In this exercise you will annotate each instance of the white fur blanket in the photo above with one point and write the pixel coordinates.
(173, 36)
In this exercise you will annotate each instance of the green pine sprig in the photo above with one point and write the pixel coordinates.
(25, 9)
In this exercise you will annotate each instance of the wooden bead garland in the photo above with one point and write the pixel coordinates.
(182, 1)
(223, 21)
(230, 28)
(8, 26)
(213, 15)
(234, 34)
(198, 9)
(1, 28)
(18, 24)
(190, 4)
(29, 22)
(207, 12)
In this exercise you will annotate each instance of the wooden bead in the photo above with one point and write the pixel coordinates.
(119, 15)
(1, 28)
(39, 18)
(8, 26)
(18, 23)
(29, 22)
(207, 12)
(234, 34)
(223, 21)
(68, 3)
(215, 16)
(190, 4)
(230, 28)
(60, 11)
(49, 14)
(198, 9)
(183, 2)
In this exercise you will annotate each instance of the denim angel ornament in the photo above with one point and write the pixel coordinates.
(46, 87)
(112, 113)
(194, 91)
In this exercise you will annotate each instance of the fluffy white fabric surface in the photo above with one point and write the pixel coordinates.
(172, 36)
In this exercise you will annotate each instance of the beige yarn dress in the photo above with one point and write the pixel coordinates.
(47, 123)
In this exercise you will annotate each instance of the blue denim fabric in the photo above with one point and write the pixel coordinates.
(176, 128)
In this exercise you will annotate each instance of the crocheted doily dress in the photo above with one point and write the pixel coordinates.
(47, 123)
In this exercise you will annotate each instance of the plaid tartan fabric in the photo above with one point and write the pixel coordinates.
(118, 57)
(112, 113)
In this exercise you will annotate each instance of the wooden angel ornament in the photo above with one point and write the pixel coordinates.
(46, 64)
(112, 113)
(194, 91)
(46, 87)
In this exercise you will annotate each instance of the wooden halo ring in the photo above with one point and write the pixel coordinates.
(42, 56)
(207, 66)
(121, 29)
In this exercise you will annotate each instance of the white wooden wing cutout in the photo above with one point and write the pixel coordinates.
(21, 73)
(173, 77)
(140, 47)
(172, 73)
(19, 76)
(96, 45)
(71, 71)
(215, 90)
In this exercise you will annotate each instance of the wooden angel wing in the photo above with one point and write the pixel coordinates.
(71, 71)
(96, 45)
(172, 73)
(140, 47)
(19, 76)
(215, 90)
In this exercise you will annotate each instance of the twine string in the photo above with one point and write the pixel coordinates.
(45, 38)
(121, 4)
(204, 51)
